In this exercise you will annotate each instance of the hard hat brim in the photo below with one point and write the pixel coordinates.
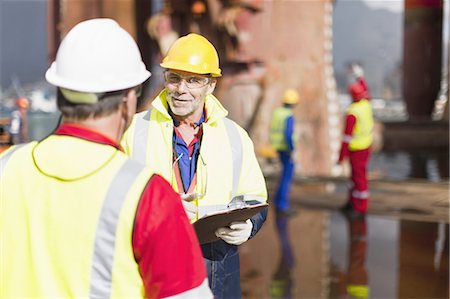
(190, 68)
(98, 86)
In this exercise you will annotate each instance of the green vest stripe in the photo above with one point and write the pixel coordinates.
(105, 236)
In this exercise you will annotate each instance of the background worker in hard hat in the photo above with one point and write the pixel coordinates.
(79, 219)
(283, 140)
(208, 158)
(356, 143)
(18, 128)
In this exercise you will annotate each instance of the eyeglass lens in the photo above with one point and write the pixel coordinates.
(191, 81)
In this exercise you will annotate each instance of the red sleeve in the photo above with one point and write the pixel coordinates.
(363, 83)
(350, 121)
(165, 244)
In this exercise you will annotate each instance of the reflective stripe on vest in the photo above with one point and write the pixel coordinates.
(236, 152)
(4, 160)
(141, 134)
(363, 195)
(105, 236)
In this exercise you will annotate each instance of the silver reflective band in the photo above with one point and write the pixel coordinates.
(140, 139)
(105, 236)
(360, 194)
(4, 160)
(347, 138)
(236, 151)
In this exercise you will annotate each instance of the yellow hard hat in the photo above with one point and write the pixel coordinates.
(291, 96)
(193, 53)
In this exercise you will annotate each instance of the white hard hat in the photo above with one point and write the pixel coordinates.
(97, 56)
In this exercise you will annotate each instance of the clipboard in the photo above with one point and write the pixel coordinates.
(206, 226)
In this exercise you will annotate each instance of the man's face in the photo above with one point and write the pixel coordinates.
(186, 91)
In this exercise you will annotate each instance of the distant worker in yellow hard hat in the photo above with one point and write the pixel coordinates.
(284, 140)
(79, 218)
(187, 138)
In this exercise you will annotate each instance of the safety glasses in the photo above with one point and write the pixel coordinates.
(190, 81)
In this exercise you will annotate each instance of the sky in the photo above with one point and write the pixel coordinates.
(398, 6)
(392, 5)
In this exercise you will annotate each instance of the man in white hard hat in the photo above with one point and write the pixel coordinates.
(78, 218)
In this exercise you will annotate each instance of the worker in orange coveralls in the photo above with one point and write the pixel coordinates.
(356, 143)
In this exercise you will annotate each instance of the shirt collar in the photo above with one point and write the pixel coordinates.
(194, 124)
(76, 130)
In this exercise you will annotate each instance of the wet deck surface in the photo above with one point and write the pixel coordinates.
(400, 250)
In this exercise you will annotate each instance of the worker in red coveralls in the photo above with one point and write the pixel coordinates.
(358, 137)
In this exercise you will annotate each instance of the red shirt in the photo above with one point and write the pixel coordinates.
(165, 245)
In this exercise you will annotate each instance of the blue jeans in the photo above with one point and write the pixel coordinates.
(282, 196)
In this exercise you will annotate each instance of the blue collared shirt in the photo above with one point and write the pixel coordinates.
(187, 159)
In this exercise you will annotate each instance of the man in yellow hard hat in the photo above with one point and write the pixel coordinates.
(78, 216)
(209, 159)
(284, 139)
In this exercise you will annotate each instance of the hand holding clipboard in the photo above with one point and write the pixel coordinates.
(238, 211)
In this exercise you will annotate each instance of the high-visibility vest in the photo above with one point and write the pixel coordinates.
(363, 130)
(46, 252)
(226, 165)
(278, 127)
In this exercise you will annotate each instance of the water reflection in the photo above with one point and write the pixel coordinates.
(357, 278)
(430, 165)
(331, 256)
(423, 260)
(354, 282)
(281, 285)
(392, 259)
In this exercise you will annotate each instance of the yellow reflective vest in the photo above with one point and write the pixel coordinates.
(226, 165)
(278, 127)
(362, 136)
(45, 251)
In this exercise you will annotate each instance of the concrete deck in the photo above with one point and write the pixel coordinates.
(419, 200)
